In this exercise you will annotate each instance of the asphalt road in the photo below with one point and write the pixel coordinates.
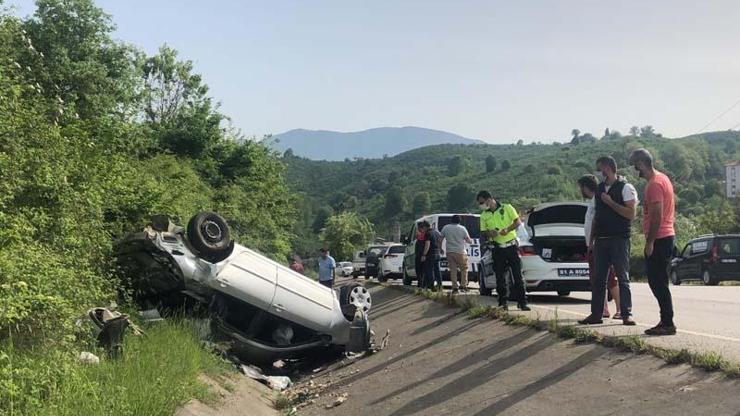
(439, 362)
(707, 317)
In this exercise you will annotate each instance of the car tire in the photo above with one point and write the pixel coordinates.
(563, 293)
(674, 278)
(357, 295)
(482, 289)
(210, 236)
(708, 280)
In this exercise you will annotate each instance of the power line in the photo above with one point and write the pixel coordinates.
(720, 116)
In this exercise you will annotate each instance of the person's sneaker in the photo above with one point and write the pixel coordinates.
(628, 321)
(591, 320)
(524, 307)
(661, 329)
(503, 306)
(464, 290)
(454, 291)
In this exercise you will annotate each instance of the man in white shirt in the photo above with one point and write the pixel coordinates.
(616, 207)
(589, 185)
(457, 236)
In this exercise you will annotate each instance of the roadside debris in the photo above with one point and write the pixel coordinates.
(88, 358)
(338, 401)
(109, 327)
(278, 383)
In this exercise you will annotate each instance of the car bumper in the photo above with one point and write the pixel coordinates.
(560, 285)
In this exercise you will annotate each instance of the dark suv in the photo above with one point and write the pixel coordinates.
(709, 258)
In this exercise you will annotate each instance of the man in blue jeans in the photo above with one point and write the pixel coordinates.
(616, 207)
(430, 257)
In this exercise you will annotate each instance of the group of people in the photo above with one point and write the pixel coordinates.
(612, 208)
(429, 250)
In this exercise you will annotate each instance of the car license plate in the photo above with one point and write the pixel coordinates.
(573, 272)
(729, 260)
(443, 263)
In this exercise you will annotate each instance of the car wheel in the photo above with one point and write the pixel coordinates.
(674, 278)
(210, 236)
(482, 289)
(563, 292)
(708, 280)
(357, 295)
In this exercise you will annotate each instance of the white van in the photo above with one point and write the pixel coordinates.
(438, 221)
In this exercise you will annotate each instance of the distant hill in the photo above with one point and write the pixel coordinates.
(368, 144)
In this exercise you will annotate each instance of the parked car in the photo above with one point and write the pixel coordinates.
(553, 251)
(372, 259)
(391, 264)
(358, 264)
(438, 221)
(265, 309)
(709, 258)
(344, 268)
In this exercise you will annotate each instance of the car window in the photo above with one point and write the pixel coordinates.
(729, 246)
(699, 247)
(470, 222)
(396, 249)
(375, 251)
(686, 250)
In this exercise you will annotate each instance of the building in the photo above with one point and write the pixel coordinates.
(732, 174)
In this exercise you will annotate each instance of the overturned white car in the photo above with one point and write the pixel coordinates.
(265, 308)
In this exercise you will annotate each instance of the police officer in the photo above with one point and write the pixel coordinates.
(498, 224)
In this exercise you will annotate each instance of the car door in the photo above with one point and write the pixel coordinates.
(682, 265)
(409, 256)
(302, 300)
(249, 277)
(698, 255)
(728, 257)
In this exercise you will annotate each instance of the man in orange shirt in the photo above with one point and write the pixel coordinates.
(660, 236)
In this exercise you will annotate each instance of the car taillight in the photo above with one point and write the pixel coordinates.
(715, 257)
(527, 251)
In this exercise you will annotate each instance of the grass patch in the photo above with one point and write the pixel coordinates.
(710, 361)
(157, 373)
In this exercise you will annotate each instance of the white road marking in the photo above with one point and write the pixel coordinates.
(684, 331)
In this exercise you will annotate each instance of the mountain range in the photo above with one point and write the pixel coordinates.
(367, 144)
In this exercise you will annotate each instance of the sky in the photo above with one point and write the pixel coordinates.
(498, 71)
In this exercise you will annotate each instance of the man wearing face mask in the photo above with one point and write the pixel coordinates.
(659, 210)
(616, 207)
(498, 224)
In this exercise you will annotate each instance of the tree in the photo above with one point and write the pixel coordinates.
(634, 131)
(459, 198)
(322, 215)
(345, 233)
(520, 142)
(576, 134)
(587, 138)
(422, 204)
(490, 164)
(606, 133)
(505, 165)
(647, 132)
(395, 202)
(456, 165)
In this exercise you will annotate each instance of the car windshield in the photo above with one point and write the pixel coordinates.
(471, 223)
(729, 246)
(376, 251)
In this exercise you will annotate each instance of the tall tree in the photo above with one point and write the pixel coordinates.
(460, 198)
(505, 165)
(421, 204)
(490, 164)
(456, 165)
(634, 131)
(647, 132)
(395, 202)
(344, 233)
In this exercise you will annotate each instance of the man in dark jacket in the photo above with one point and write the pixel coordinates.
(616, 207)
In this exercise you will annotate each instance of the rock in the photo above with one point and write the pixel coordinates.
(88, 358)
(339, 400)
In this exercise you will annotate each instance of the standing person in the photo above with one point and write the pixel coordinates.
(498, 224)
(616, 207)
(429, 255)
(296, 265)
(660, 236)
(327, 268)
(456, 236)
(589, 185)
(436, 268)
(418, 252)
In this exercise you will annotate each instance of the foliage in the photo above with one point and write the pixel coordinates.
(456, 165)
(421, 204)
(460, 198)
(490, 164)
(94, 139)
(395, 202)
(346, 232)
